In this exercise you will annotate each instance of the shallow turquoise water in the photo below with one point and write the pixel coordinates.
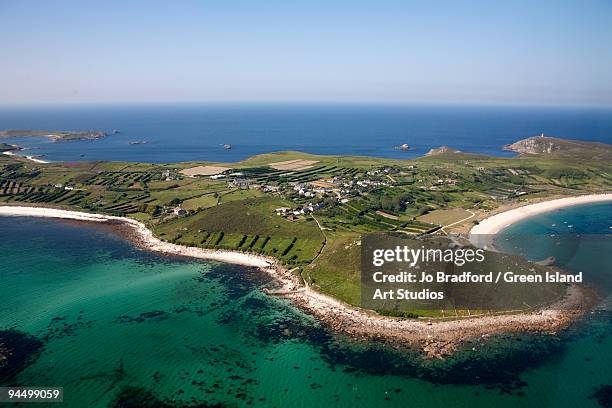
(577, 236)
(108, 316)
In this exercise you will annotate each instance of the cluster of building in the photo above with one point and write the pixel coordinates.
(343, 188)
(179, 211)
(314, 188)
(246, 184)
(293, 213)
(67, 187)
(441, 182)
(168, 176)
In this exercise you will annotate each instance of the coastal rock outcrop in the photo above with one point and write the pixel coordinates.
(574, 149)
(535, 145)
(441, 150)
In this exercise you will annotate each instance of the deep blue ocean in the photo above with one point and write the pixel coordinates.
(187, 132)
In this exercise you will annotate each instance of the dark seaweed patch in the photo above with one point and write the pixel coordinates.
(268, 321)
(156, 315)
(237, 281)
(271, 321)
(17, 351)
(60, 327)
(199, 311)
(498, 363)
(135, 397)
(287, 328)
(603, 395)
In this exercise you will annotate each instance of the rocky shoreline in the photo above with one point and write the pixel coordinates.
(436, 337)
(440, 338)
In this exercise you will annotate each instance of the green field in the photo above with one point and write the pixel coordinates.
(292, 241)
(445, 217)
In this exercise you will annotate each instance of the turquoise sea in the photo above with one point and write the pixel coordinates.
(117, 326)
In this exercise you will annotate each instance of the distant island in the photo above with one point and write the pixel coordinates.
(300, 217)
(55, 135)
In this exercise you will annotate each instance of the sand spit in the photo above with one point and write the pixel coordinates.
(436, 337)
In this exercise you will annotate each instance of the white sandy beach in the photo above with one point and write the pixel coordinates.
(30, 158)
(36, 160)
(480, 235)
(436, 338)
(146, 238)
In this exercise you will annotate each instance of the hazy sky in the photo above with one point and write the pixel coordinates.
(525, 52)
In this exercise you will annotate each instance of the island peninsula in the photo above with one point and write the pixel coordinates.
(300, 217)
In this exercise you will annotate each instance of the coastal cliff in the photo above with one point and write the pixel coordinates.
(544, 145)
(535, 145)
